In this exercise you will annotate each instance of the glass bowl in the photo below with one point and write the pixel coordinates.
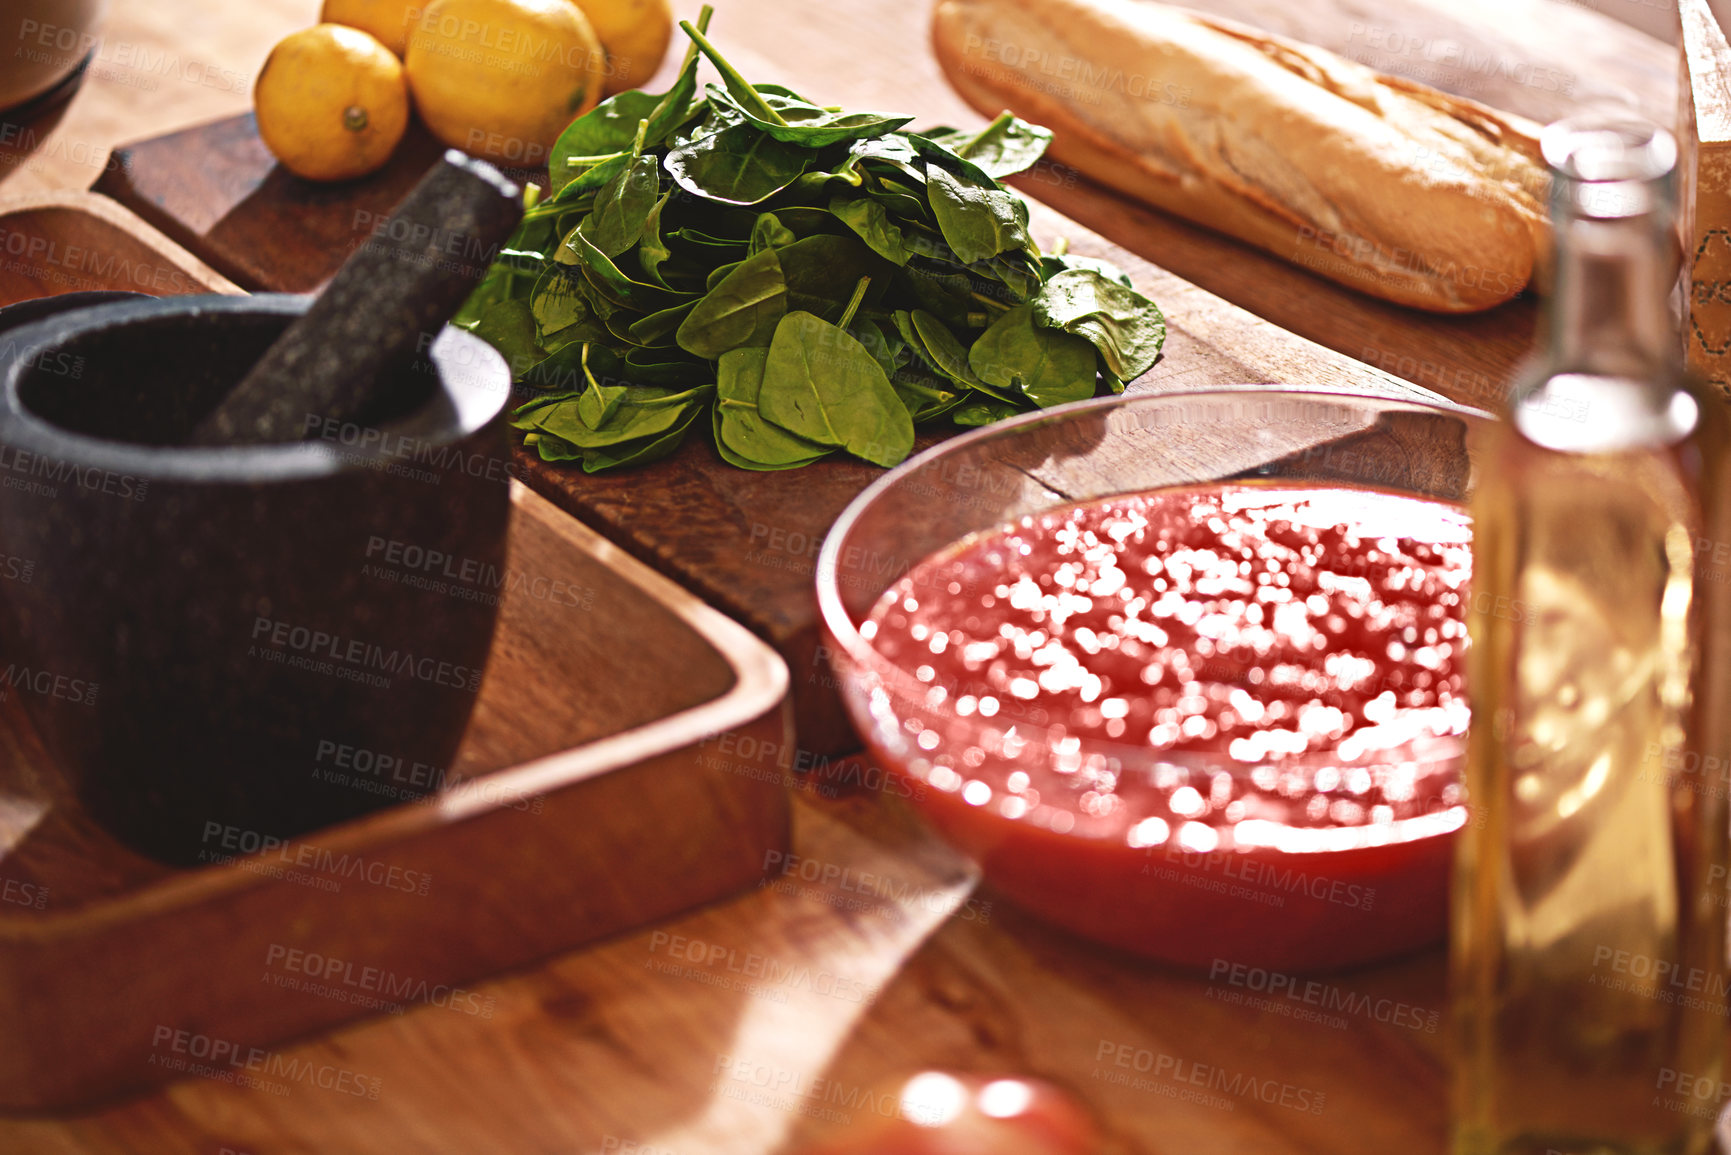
(1282, 896)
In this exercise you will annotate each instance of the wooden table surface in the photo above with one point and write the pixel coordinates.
(747, 542)
(637, 1045)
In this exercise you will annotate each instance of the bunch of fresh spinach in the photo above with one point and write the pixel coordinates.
(810, 279)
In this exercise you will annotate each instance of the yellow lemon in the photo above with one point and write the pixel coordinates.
(331, 103)
(387, 21)
(502, 78)
(635, 34)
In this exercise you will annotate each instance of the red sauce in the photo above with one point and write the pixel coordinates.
(1231, 706)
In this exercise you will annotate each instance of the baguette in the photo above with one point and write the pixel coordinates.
(1384, 185)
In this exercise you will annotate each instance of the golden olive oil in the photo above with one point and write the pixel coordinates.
(1589, 979)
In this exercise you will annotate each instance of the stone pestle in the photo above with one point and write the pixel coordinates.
(384, 306)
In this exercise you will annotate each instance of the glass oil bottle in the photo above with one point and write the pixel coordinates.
(1588, 941)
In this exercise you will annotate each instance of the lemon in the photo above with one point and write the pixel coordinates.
(387, 21)
(634, 33)
(502, 78)
(331, 103)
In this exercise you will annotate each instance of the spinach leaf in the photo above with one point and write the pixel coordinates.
(605, 130)
(947, 296)
(769, 89)
(607, 388)
(741, 434)
(1014, 271)
(812, 188)
(821, 384)
(642, 412)
(977, 222)
(1055, 263)
(513, 269)
(739, 165)
(937, 156)
(822, 271)
(528, 407)
(557, 303)
(740, 310)
(906, 205)
(718, 274)
(895, 151)
(576, 194)
(659, 328)
(871, 223)
(982, 411)
(799, 122)
(806, 220)
(611, 126)
(551, 448)
(509, 326)
(611, 283)
(1124, 325)
(1007, 145)
(644, 451)
(943, 350)
(666, 367)
(623, 205)
(560, 374)
(886, 349)
(770, 233)
(1047, 366)
(689, 235)
(652, 250)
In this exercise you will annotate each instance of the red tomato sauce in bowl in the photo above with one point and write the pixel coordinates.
(1213, 725)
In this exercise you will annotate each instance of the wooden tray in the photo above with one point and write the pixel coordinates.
(585, 800)
(747, 542)
(74, 242)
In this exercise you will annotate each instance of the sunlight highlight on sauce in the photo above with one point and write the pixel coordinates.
(1224, 666)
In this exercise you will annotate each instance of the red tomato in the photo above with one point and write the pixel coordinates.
(945, 1114)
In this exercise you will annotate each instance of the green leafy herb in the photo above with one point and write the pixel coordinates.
(1008, 145)
(797, 280)
(978, 222)
(821, 384)
(623, 205)
(770, 233)
(739, 165)
(1115, 317)
(871, 222)
(742, 434)
(1047, 366)
(741, 310)
(800, 122)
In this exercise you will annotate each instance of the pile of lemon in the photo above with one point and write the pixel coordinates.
(496, 78)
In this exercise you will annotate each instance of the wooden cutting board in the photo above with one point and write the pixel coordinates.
(747, 542)
(556, 827)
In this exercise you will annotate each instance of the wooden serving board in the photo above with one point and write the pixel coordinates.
(746, 542)
(577, 806)
(75, 242)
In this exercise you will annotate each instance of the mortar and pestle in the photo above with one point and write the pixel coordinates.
(233, 632)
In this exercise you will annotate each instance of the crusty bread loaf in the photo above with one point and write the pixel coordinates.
(1379, 183)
